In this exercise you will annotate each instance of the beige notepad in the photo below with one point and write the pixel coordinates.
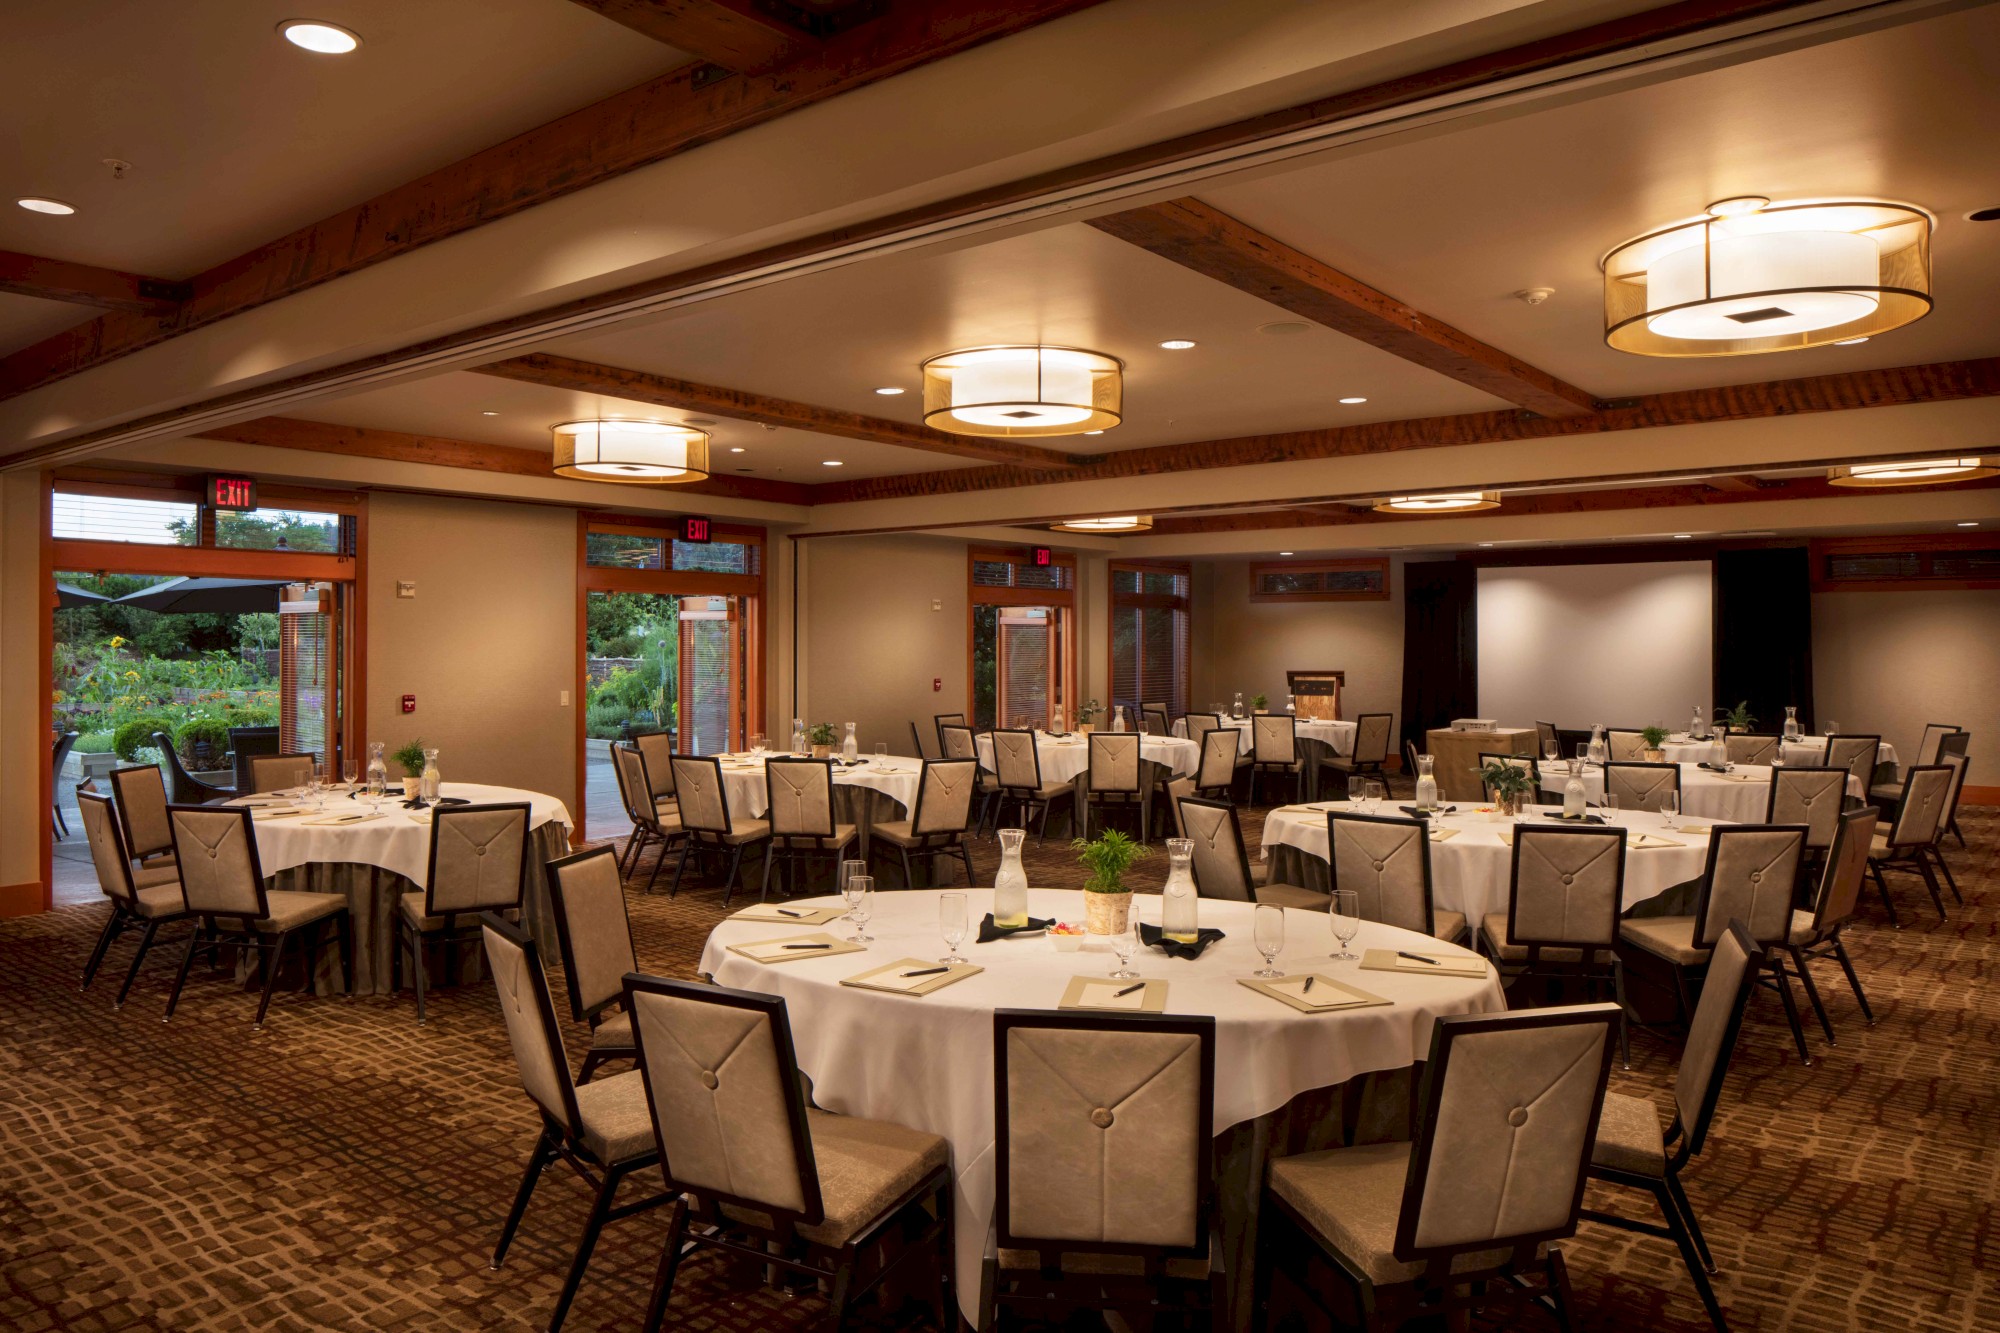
(263, 812)
(1443, 834)
(263, 802)
(1102, 993)
(1650, 840)
(790, 916)
(776, 951)
(1325, 994)
(895, 979)
(1447, 964)
(357, 818)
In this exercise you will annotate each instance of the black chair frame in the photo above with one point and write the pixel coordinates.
(792, 848)
(458, 930)
(598, 1055)
(183, 787)
(1585, 969)
(122, 916)
(930, 846)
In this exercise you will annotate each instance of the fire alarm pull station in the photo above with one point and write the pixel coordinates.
(409, 703)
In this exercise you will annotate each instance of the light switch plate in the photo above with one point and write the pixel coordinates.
(937, 603)
(406, 587)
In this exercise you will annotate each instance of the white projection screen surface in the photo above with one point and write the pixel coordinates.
(1626, 645)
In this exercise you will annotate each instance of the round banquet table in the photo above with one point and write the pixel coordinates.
(927, 1061)
(869, 793)
(375, 861)
(1805, 751)
(1472, 857)
(1740, 796)
(1318, 740)
(1067, 759)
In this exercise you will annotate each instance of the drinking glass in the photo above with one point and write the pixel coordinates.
(951, 925)
(1582, 753)
(1378, 792)
(859, 891)
(1670, 805)
(1346, 907)
(881, 753)
(1551, 751)
(1832, 728)
(1610, 805)
(1357, 791)
(1126, 944)
(759, 744)
(1269, 925)
(350, 773)
(315, 787)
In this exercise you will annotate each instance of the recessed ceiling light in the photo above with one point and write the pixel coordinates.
(1850, 342)
(1285, 553)
(324, 39)
(35, 204)
(1283, 326)
(1983, 215)
(735, 448)
(1485, 544)
(489, 414)
(1968, 525)
(1682, 536)
(888, 391)
(832, 462)
(1177, 344)
(1353, 401)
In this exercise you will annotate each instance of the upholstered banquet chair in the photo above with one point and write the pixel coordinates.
(1221, 865)
(187, 789)
(1907, 843)
(766, 1178)
(148, 898)
(706, 820)
(960, 743)
(1626, 745)
(1750, 747)
(917, 741)
(1642, 786)
(1526, 763)
(1156, 719)
(599, 1130)
(657, 749)
(1856, 754)
(1954, 744)
(1104, 1139)
(1815, 935)
(478, 861)
(58, 752)
(1200, 724)
(938, 825)
(1380, 1234)
(223, 884)
(280, 772)
(1630, 1149)
(595, 937)
(799, 806)
(1221, 759)
(1371, 746)
(1930, 750)
(1018, 764)
(1565, 892)
(141, 793)
(1386, 860)
(650, 822)
(1274, 752)
(1177, 791)
(943, 720)
(1813, 797)
(1958, 763)
(1117, 781)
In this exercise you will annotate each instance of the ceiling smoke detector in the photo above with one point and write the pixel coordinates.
(1535, 295)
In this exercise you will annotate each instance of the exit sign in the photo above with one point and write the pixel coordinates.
(1044, 556)
(693, 529)
(232, 492)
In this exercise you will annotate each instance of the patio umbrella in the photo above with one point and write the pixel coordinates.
(68, 595)
(218, 596)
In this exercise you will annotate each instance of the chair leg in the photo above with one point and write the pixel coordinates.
(1677, 1224)
(138, 957)
(1618, 991)
(670, 1262)
(272, 958)
(764, 889)
(180, 978)
(62, 825)
(1936, 850)
(679, 870)
(965, 855)
(1791, 1011)
(658, 863)
(1853, 981)
(593, 1227)
(114, 925)
(1679, 1191)
(909, 873)
(1812, 993)
(843, 1282)
(1882, 887)
(1559, 1292)
(418, 967)
(345, 938)
(542, 1154)
(1931, 882)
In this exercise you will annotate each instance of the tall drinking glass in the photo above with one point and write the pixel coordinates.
(1346, 907)
(951, 925)
(1670, 805)
(1126, 945)
(859, 891)
(1269, 927)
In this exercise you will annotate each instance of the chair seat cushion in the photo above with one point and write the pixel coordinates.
(1494, 931)
(667, 805)
(412, 908)
(742, 831)
(1886, 791)
(147, 877)
(160, 900)
(1181, 1268)
(289, 910)
(1629, 1138)
(898, 832)
(1048, 793)
(617, 1122)
(842, 835)
(1668, 937)
(614, 1033)
(1802, 929)
(153, 860)
(864, 1167)
(1351, 1197)
(1447, 926)
(1292, 895)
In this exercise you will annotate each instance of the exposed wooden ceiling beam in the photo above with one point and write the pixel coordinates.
(1215, 245)
(1744, 484)
(733, 34)
(1938, 382)
(680, 110)
(560, 372)
(87, 284)
(361, 442)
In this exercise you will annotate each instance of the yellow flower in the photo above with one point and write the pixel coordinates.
(117, 642)
(131, 675)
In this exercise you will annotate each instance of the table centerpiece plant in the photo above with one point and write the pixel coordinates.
(819, 735)
(1107, 903)
(1509, 784)
(1087, 714)
(411, 760)
(1653, 740)
(1740, 719)
(1259, 702)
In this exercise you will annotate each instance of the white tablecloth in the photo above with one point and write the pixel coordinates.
(1740, 796)
(393, 840)
(1470, 871)
(897, 777)
(927, 1062)
(1338, 736)
(1806, 750)
(1065, 758)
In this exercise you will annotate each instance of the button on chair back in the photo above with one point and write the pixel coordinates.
(1220, 747)
(698, 782)
(1813, 797)
(1274, 739)
(957, 742)
(1642, 786)
(1371, 737)
(1016, 761)
(1626, 746)
(1114, 762)
(799, 793)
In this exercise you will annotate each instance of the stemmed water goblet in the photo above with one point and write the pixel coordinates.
(951, 925)
(1269, 927)
(1125, 944)
(1346, 908)
(1670, 805)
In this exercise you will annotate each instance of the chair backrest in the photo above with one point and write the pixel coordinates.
(1177, 791)
(1499, 1092)
(1371, 737)
(942, 720)
(479, 854)
(245, 743)
(1386, 860)
(1718, 1017)
(1810, 796)
(280, 772)
(1525, 763)
(944, 797)
(216, 848)
(1958, 764)
(141, 791)
(1221, 867)
(1546, 735)
(1219, 748)
(1015, 760)
(657, 749)
(703, 799)
(1846, 870)
(1953, 744)
(107, 846)
(1114, 762)
(1641, 786)
(917, 741)
(1200, 724)
(1105, 1131)
(957, 742)
(1750, 747)
(1856, 754)
(722, 1083)
(1567, 885)
(1274, 738)
(1626, 745)
(592, 929)
(799, 796)
(531, 1023)
(630, 768)
(1927, 748)
(1920, 813)
(1752, 871)
(1155, 715)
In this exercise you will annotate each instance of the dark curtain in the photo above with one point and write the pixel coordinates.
(1440, 645)
(1763, 634)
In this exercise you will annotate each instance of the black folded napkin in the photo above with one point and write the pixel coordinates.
(1713, 769)
(1561, 818)
(988, 931)
(1415, 813)
(417, 802)
(1151, 937)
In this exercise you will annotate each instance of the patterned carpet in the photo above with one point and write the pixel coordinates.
(346, 1169)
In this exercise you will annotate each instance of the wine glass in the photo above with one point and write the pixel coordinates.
(1610, 807)
(951, 924)
(759, 744)
(1832, 729)
(1126, 945)
(1269, 925)
(1346, 907)
(859, 891)
(315, 786)
(881, 754)
(1670, 805)
(1582, 754)
(1378, 792)
(1551, 750)
(350, 774)
(1357, 792)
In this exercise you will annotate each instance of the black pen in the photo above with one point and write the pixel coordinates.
(1308, 986)
(926, 971)
(1137, 985)
(808, 946)
(1416, 958)
(786, 911)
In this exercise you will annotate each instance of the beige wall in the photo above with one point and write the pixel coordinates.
(1240, 645)
(488, 643)
(1892, 661)
(24, 718)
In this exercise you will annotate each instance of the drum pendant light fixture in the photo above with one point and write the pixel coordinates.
(655, 452)
(1752, 276)
(1124, 523)
(1453, 502)
(1023, 392)
(1912, 472)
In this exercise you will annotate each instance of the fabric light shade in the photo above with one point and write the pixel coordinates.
(652, 452)
(1023, 392)
(1911, 472)
(1452, 502)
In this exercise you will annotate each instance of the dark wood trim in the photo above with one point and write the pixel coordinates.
(561, 372)
(1208, 241)
(1745, 484)
(1924, 544)
(44, 699)
(87, 284)
(1258, 568)
(729, 34)
(200, 561)
(1117, 601)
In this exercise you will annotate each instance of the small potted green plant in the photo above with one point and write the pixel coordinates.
(1259, 703)
(411, 760)
(1509, 784)
(1740, 718)
(1087, 714)
(819, 735)
(1107, 903)
(1652, 742)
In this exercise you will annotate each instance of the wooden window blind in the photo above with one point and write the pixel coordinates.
(1150, 606)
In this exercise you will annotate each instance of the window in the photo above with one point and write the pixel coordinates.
(1948, 561)
(1021, 642)
(614, 549)
(278, 530)
(112, 518)
(1149, 636)
(1320, 581)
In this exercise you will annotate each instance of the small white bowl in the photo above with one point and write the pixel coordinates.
(1066, 943)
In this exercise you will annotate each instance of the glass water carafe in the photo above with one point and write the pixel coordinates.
(431, 785)
(378, 771)
(1427, 785)
(1010, 882)
(1118, 717)
(1791, 724)
(1599, 750)
(1697, 729)
(1236, 709)
(1180, 915)
(850, 748)
(1576, 801)
(798, 736)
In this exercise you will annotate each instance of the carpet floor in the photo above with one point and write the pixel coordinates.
(346, 1169)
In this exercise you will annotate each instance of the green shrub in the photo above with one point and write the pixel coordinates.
(604, 721)
(93, 742)
(214, 730)
(137, 734)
